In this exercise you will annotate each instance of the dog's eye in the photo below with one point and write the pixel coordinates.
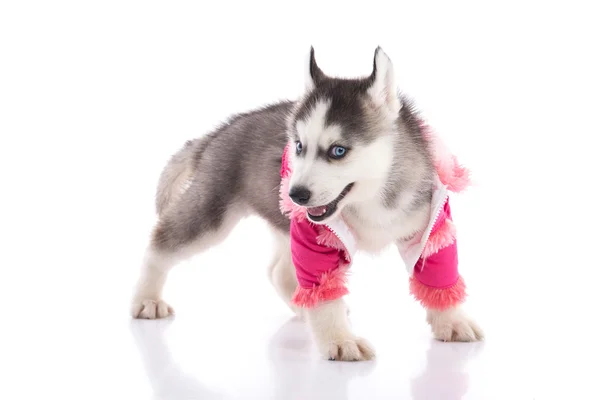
(298, 147)
(337, 152)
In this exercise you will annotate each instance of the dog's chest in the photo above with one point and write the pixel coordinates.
(376, 227)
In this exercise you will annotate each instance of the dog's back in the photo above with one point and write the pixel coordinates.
(236, 165)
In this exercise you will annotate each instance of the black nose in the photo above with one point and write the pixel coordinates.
(300, 195)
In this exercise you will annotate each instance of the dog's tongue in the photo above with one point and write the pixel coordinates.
(317, 211)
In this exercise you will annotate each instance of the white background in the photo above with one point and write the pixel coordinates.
(94, 98)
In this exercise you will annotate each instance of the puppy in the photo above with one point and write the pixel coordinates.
(349, 166)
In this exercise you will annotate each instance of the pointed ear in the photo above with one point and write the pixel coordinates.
(383, 88)
(313, 75)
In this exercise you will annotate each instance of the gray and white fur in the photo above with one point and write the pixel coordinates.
(234, 171)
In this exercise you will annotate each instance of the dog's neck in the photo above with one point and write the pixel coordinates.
(377, 225)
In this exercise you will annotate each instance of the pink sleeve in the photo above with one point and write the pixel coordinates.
(436, 282)
(320, 269)
(319, 257)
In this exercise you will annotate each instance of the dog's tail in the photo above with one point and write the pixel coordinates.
(176, 176)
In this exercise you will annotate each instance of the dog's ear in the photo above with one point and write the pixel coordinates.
(313, 75)
(383, 86)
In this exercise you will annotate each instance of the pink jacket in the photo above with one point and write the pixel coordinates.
(322, 254)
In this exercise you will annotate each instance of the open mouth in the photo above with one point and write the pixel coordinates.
(320, 213)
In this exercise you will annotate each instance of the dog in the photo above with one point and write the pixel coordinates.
(349, 166)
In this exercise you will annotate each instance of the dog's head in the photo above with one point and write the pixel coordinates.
(342, 136)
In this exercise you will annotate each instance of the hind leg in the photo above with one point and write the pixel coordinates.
(184, 230)
(147, 301)
(281, 270)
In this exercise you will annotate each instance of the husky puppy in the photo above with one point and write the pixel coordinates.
(350, 157)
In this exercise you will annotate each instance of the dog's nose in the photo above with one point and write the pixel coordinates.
(300, 195)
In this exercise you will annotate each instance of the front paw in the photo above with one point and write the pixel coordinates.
(351, 349)
(151, 309)
(453, 325)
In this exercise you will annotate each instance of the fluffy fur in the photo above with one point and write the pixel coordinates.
(444, 236)
(235, 171)
(329, 239)
(332, 285)
(287, 206)
(451, 173)
(438, 298)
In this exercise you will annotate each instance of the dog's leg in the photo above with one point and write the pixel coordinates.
(448, 321)
(281, 271)
(147, 301)
(331, 330)
(453, 325)
(186, 228)
(437, 284)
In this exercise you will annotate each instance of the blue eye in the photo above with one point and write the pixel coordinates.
(337, 152)
(298, 147)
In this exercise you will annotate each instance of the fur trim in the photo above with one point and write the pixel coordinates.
(443, 237)
(332, 286)
(285, 170)
(438, 298)
(329, 239)
(452, 174)
(286, 205)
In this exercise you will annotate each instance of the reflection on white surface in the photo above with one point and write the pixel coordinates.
(164, 375)
(294, 373)
(446, 375)
(299, 377)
